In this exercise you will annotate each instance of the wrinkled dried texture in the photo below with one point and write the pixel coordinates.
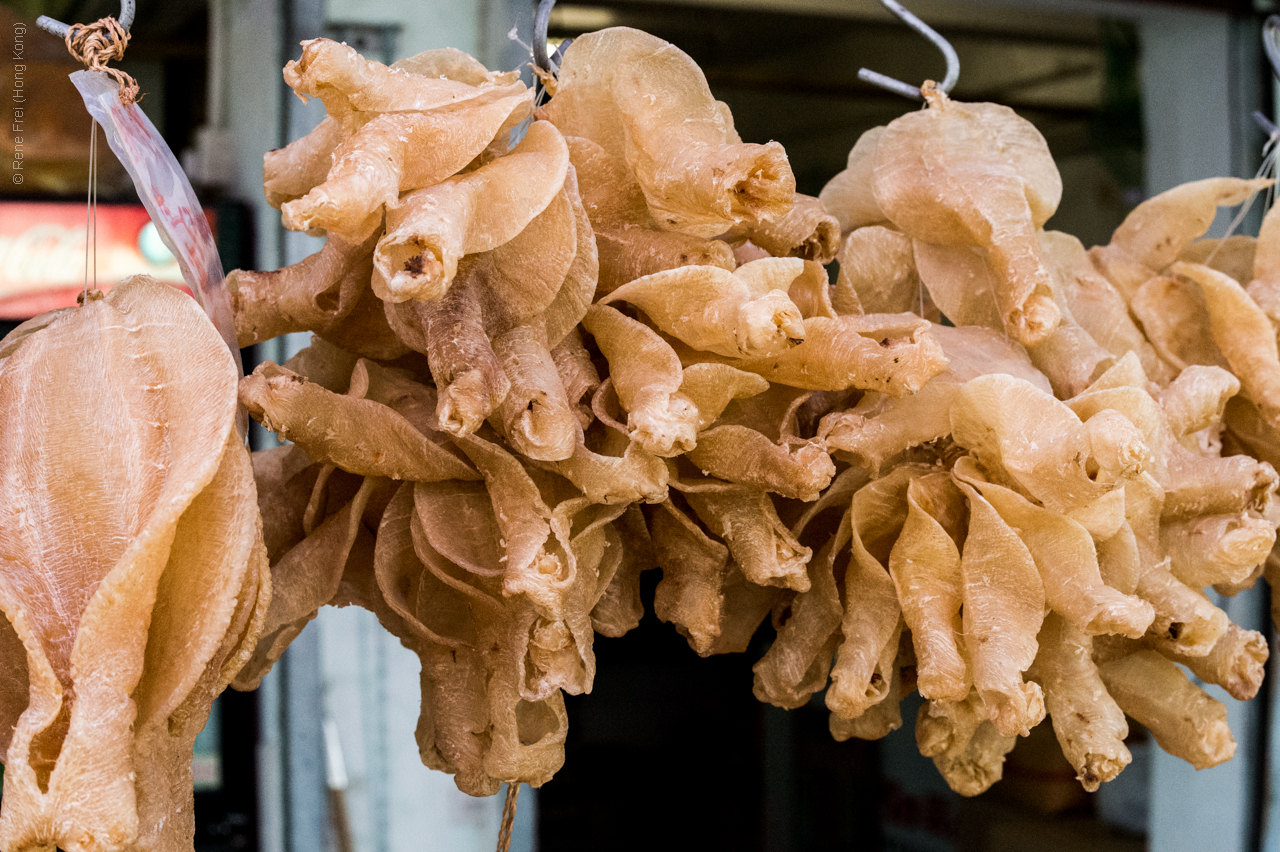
(763, 548)
(1158, 230)
(1198, 398)
(889, 353)
(742, 314)
(880, 427)
(646, 375)
(849, 196)
(645, 101)
(811, 292)
(398, 152)
(1252, 433)
(742, 455)
(690, 594)
(431, 229)
(1090, 726)
(925, 566)
(325, 364)
(577, 373)
(976, 175)
(1264, 278)
(1185, 721)
(878, 274)
(620, 608)
(578, 290)
(878, 721)
(290, 172)
(1209, 549)
(612, 474)
(1175, 318)
(965, 746)
(537, 417)
(1201, 485)
(1236, 663)
(807, 231)
(1233, 256)
(711, 387)
(1004, 601)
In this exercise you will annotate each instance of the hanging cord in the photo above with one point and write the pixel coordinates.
(508, 816)
(97, 43)
(91, 215)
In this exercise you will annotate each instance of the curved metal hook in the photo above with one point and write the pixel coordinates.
(49, 25)
(948, 52)
(541, 21)
(1271, 42)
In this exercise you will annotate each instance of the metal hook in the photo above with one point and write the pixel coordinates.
(948, 52)
(541, 21)
(49, 25)
(1271, 42)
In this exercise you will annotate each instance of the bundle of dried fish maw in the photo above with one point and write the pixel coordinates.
(965, 746)
(135, 618)
(1001, 185)
(645, 101)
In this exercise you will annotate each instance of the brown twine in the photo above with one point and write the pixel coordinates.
(94, 44)
(508, 816)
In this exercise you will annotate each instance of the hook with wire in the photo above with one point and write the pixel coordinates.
(948, 52)
(541, 23)
(56, 27)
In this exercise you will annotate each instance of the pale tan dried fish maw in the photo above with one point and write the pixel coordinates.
(797, 663)
(324, 363)
(431, 229)
(837, 496)
(811, 292)
(693, 564)
(537, 417)
(711, 387)
(578, 289)
(1004, 605)
(772, 413)
(1210, 549)
(849, 196)
(976, 175)
(1119, 560)
(1246, 426)
(742, 455)
(925, 567)
(893, 354)
(291, 172)
(1185, 721)
(645, 373)
(578, 374)
(630, 475)
(807, 231)
(453, 64)
(1090, 726)
(357, 435)
(877, 273)
(877, 722)
(763, 548)
(1198, 398)
(1202, 485)
(620, 608)
(965, 746)
(1174, 317)
(1237, 662)
(1264, 278)
(394, 153)
(285, 477)
(742, 314)
(1233, 256)
(1158, 230)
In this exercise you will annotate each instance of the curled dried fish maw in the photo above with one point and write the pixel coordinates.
(1185, 721)
(537, 417)
(763, 548)
(357, 435)
(1001, 186)
(878, 721)
(603, 477)
(619, 608)
(1209, 549)
(431, 229)
(1089, 724)
(711, 387)
(807, 231)
(890, 353)
(1175, 318)
(1236, 663)
(877, 273)
(965, 746)
(925, 566)
(1004, 605)
(741, 314)
(1264, 278)
(742, 455)
(1233, 256)
(645, 100)
(645, 372)
(690, 594)
(1156, 231)
(849, 196)
(290, 172)
(1198, 398)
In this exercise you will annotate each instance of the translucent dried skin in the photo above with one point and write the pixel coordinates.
(537, 417)
(965, 746)
(1004, 606)
(811, 292)
(1233, 256)
(925, 567)
(807, 231)
(741, 314)
(1090, 725)
(693, 564)
(290, 172)
(1158, 230)
(1174, 317)
(976, 175)
(848, 196)
(645, 101)
(397, 152)
(1185, 721)
(578, 290)
(1236, 663)
(634, 476)
(1198, 398)
(431, 229)
(1212, 549)
(763, 548)
(646, 374)
(619, 608)
(742, 455)
(577, 373)
(877, 273)
(890, 353)
(711, 387)
(878, 721)
(1264, 278)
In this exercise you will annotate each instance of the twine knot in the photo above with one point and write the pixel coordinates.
(97, 43)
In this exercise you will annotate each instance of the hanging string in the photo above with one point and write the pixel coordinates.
(508, 816)
(97, 43)
(91, 215)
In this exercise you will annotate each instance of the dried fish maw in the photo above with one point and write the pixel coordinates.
(1236, 663)
(1158, 230)
(890, 353)
(877, 273)
(431, 229)
(1232, 256)
(878, 720)
(811, 292)
(646, 374)
(357, 435)
(453, 64)
(797, 663)
(1004, 606)
(711, 387)
(807, 231)
(577, 372)
(285, 478)
(605, 477)
(1202, 485)
(291, 172)
(578, 290)
(965, 746)
(1210, 549)
(537, 417)
(960, 282)
(324, 363)
(619, 608)
(690, 594)
(1246, 426)
(849, 196)
(1243, 334)
(1001, 185)
(1264, 278)
(642, 99)
(925, 567)
(1175, 318)
(741, 314)
(1089, 724)
(763, 548)
(1185, 721)
(1198, 398)
(742, 455)
(1119, 560)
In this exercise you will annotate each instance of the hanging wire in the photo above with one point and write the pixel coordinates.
(905, 89)
(55, 27)
(91, 214)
